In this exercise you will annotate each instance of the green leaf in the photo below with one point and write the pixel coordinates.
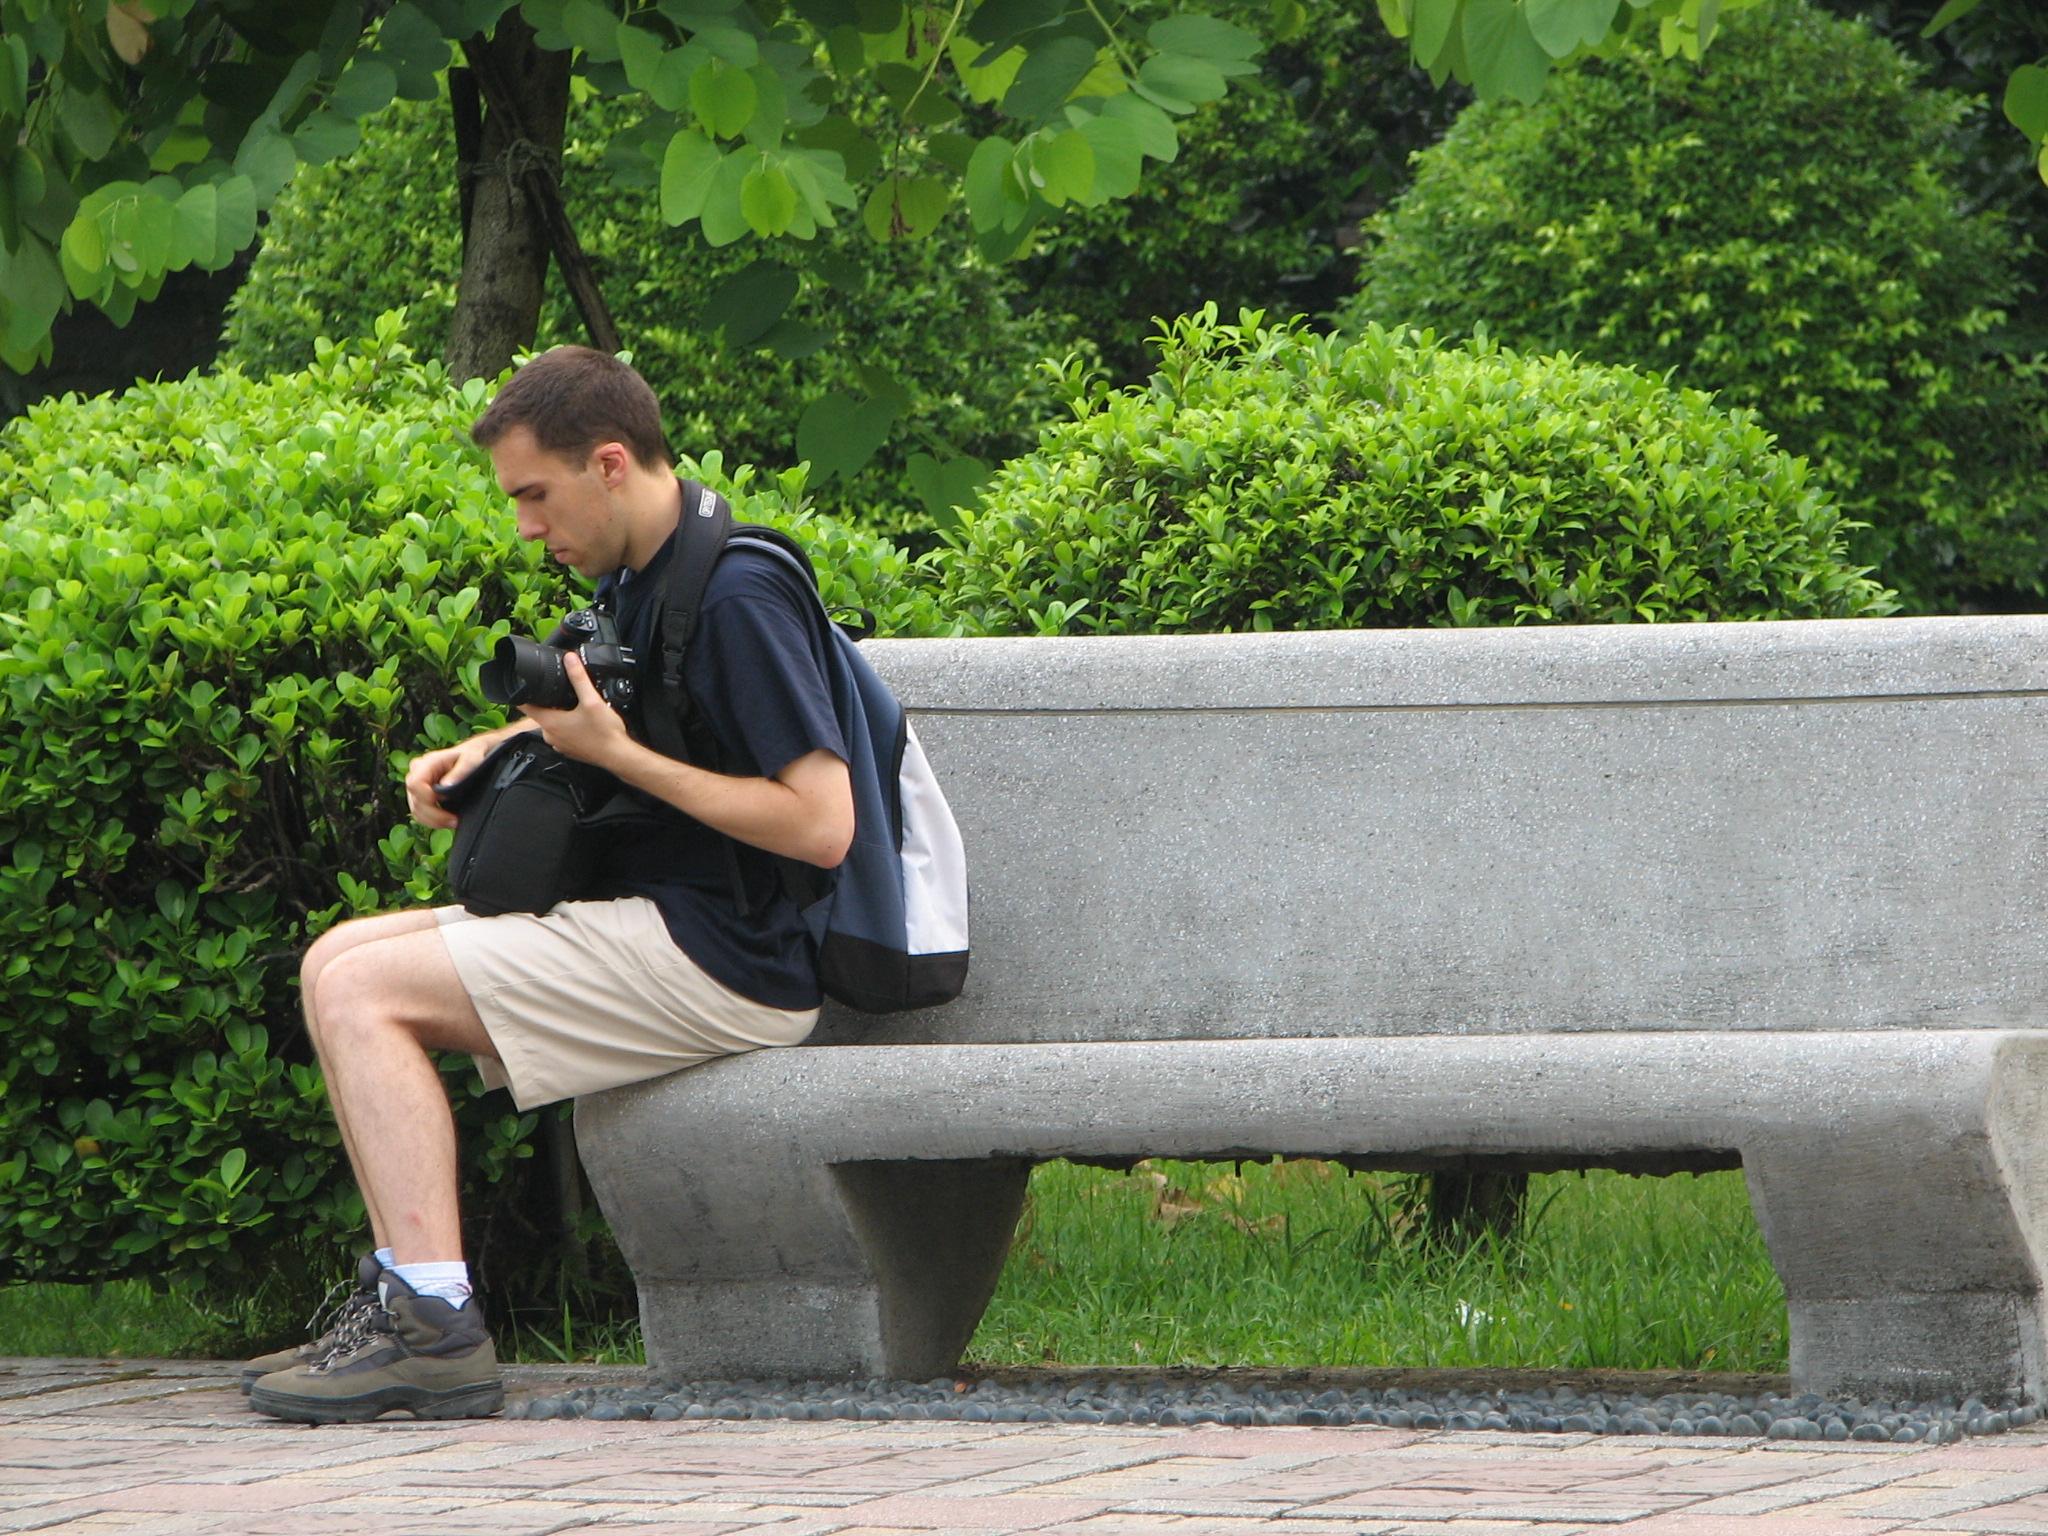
(1048, 77)
(1562, 26)
(670, 88)
(1119, 159)
(326, 136)
(838, 434)
(31, 294)
(999, 22)
(545, 17)
(731, 44)
(985, 82)
(946, 486)
(1063, 168)
(723, 98)
(90, 120)
(29, 182)
(771, 108)
(415, 48)
(1178, 83)
(767, 200)
(1503, 57)
(85, 248)
(593, 27)
(817, 177)
(366, 86)
(749, 302)
(1156, 134)
(267, 159)
(723, 221)
(1433, 25)
(1950, 13)
(13, 77)
(860, 157)
(987, 174)
(641, 52)
(849, 54)
(1203, 37)
(196, 226)
(687, 167)
(2026, 101)
(234, 217)
(905, 207)
(291, 90)
(793, 340)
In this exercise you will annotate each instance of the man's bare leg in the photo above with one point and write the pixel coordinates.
(334, 942)
(376, 1009)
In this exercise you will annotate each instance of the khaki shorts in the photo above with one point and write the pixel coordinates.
(595, 994)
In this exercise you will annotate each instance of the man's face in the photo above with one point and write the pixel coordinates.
(566, 504)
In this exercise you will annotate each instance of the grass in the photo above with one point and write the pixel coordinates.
(1303, 1264)
(1282, 1264)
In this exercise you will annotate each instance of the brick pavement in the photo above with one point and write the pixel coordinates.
(163, 1449)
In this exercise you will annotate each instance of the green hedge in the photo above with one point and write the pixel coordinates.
(1781, 225)
(1271, 478)
(233, 610)
(381, 229)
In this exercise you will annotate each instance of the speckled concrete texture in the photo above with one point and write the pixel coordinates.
(154, 1449)
(1635, 896)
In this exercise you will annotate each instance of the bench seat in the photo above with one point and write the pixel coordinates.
(846, 1212)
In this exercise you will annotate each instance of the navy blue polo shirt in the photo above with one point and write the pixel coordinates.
(756, 675)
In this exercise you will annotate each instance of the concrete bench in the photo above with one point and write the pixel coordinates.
(1644, 897)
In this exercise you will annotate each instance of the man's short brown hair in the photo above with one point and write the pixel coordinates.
(572, 399)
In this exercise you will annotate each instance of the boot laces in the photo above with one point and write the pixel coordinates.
(361, 1321)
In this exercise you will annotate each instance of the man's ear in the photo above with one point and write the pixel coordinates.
(613, 460)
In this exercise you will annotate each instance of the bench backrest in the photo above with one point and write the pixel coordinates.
(1727, 826)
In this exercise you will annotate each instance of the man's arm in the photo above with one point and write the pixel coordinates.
(804, 812)
(447, 764)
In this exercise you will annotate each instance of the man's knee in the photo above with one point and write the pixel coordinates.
(348, 935)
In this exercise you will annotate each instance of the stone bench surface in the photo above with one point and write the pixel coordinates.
(1640, 896)
(1735, 826)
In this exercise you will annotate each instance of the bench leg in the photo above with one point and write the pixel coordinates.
(769, 1261)
(1915, 1278)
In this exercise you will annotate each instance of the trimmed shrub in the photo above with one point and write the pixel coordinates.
(1781, 225)
(381, 229)
(233, 609)
(1271, 478)
(1250, 213)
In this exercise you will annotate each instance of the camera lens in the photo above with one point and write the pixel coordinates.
(526, 672)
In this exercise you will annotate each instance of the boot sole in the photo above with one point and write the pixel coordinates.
(472, 1402)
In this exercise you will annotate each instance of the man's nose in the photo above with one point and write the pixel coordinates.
(529, 525)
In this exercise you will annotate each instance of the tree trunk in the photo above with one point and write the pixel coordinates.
(505, 241)
(1465, 1204)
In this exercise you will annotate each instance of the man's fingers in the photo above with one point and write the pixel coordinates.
(579, 679)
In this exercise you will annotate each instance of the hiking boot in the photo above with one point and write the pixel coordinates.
(422, 1353)
(347, 1325)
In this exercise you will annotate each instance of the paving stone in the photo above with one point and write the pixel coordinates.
(88, 1450)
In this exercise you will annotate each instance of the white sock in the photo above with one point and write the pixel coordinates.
(449, 1281)
(385, 1258)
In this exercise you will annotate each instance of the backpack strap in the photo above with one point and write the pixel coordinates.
(706, 524)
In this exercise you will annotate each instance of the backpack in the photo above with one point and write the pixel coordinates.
(891, 921)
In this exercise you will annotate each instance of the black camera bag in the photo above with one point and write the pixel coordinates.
(522, 843)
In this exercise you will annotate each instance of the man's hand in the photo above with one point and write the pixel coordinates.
(447, 765)
(592, 732)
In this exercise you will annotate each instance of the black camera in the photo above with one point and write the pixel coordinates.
(523, 671)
